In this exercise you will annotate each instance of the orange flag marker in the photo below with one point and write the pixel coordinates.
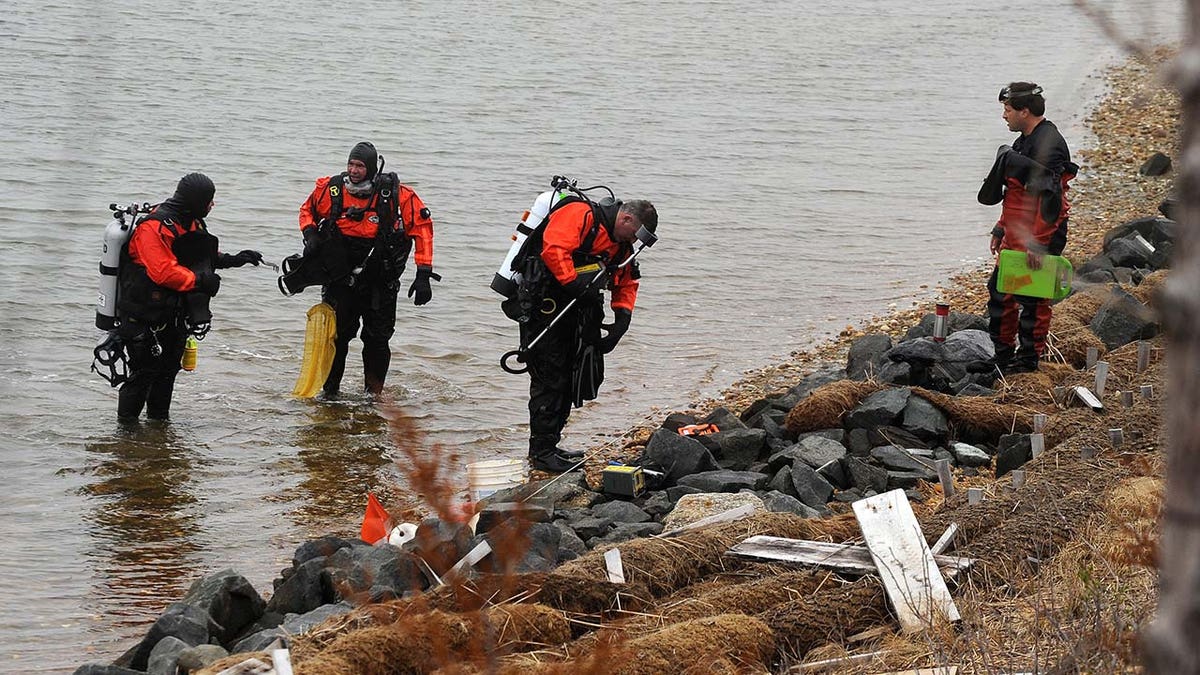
(376, 522)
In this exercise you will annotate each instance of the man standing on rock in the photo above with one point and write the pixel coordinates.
(1030, 177)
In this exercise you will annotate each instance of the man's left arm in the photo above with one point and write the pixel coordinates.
(418, 225)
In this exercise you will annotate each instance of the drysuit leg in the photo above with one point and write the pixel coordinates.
(1002, 319)
(379, 324)
(346, 308)
(1033, 327)
(550, 364)
(151, 380)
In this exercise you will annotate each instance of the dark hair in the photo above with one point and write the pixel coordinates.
(643, 211)
(1024, 96)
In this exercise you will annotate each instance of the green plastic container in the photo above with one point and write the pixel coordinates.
(1052, 281)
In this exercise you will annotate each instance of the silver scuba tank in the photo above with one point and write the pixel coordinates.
(119, 229)
(506, 280)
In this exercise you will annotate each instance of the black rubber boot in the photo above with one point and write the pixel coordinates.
(548, 460)
(574, 455)
(1024, 361)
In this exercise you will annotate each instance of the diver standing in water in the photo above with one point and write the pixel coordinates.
(577, 241)
(166, 278)
(369, 221)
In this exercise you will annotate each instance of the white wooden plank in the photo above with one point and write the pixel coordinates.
(843, 558)
(906, 565)
(612, 562)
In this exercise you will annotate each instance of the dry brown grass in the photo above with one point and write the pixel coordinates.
(824, 407)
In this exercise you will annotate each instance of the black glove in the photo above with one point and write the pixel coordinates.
(310, 239)
(208, 283)
(614, 330)
(226, 260)
(576, 286)
(420, 285)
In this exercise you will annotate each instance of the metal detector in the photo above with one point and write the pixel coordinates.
(645, 238)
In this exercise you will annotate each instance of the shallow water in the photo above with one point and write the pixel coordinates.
(812, 164)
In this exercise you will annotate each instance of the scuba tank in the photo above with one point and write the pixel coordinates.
(507, 279)
(116, 235)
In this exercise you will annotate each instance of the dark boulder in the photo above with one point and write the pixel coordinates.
(724, 419)
(725, 480)
(620, 512)
(925, 420)
(678, 456)
(778, 502)
(866, 476)
(1123, 319)
(1012, 452)
(229, 599)
(188, 623)
(879, 409)
(302, 590)
(867, 355)
(1156, 165)
(811, 488)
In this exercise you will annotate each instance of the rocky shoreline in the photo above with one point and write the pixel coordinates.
(873, 411)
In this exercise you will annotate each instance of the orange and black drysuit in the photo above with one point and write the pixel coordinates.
(165, 280)
(1031, 179)
(577, 236)
(378, 229)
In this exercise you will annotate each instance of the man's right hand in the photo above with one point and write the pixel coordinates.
(576, 286)
(995, 246)
(208, 283)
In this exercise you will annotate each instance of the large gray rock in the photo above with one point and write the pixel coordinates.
(303, 590)
(190, 624)
(322, 547)
(353, 574)
(542, 553)
(866, 355)
(657, 504)
(1156, 165)
(879, 409)
(724, 419)
(817, 451)
(495, 513)
(740, 446)
(898, 373)
(921, 352)
(440, 544)
(967, 346)
(725, 480)
(568, 540)
(1127, 252)
(591, 527)
(777, 502)
(626, 532)
(905, 480)
(1123, 319)
(200, 656)
(925, 420)
(620, 511)
(811, 488)
(781, 481)
(866, 476)
(677, 455)
(969, 455)
(1012, 452)
(165, 655)
(98, 669)
(1155, 230)
(898, 459)
(229, 599)
(894, 436)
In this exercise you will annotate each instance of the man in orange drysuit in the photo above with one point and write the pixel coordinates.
(378, 219)
(1031, 179)
(578, 240)
(165, 279)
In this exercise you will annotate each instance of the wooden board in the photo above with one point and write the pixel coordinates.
(842, 558)
(907, 567)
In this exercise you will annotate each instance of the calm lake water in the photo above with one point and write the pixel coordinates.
(812, 163)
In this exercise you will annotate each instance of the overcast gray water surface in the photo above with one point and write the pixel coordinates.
(812, 163)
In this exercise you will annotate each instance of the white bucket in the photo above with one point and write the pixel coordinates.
(491, 475)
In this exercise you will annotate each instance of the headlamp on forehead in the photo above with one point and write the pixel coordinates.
(1009, 93)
